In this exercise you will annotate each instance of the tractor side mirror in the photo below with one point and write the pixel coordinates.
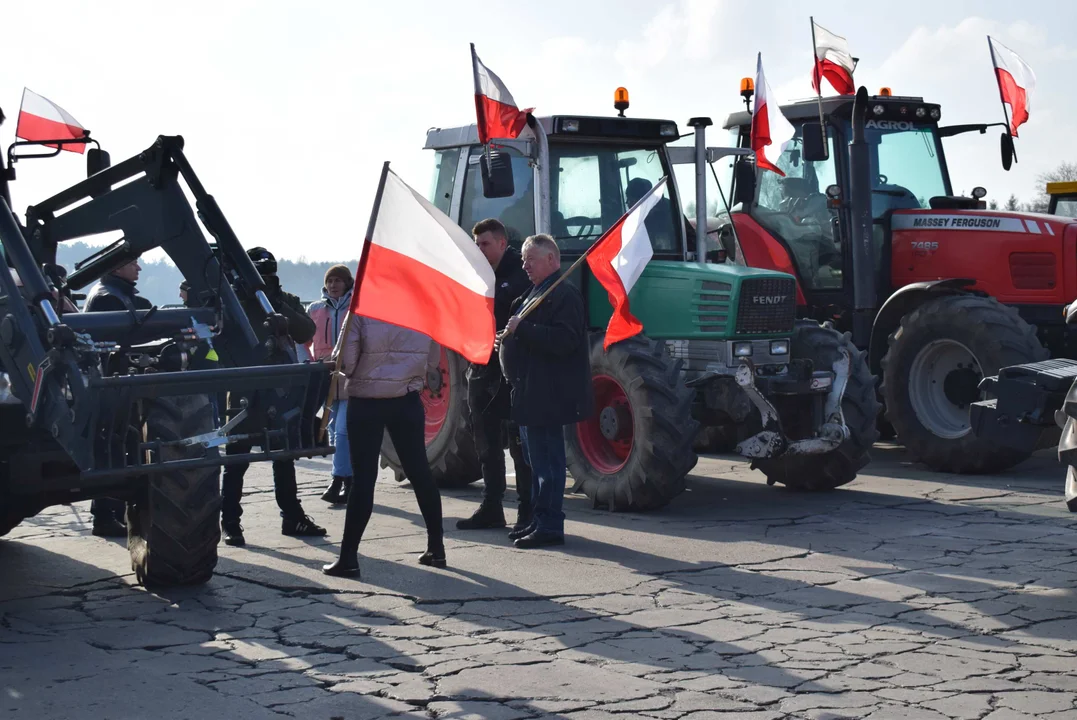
(497, 179)
(744, 181)
(814, 136)
(1007, 150)
(96, 161)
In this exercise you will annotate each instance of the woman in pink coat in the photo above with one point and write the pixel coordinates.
(328, 315)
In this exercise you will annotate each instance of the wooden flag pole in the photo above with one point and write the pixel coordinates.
(338, 354)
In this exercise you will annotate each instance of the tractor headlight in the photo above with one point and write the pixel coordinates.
(779, 347)
(878, 110)
(742, 349)
(934, 113)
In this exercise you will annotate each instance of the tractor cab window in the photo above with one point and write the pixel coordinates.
(1065, 206)
(906, 168)
(591, 187)
(444, 177)
(516, 212)
(795, 209)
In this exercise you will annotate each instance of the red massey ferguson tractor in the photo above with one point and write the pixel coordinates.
(940, 291)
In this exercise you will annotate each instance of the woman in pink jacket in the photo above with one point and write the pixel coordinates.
(385, 369)
(328, 315)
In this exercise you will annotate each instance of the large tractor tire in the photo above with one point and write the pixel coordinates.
(450, 447)
(634, 452)
(174, 520)
(1067, 447)
(822, 345)
(931, 374)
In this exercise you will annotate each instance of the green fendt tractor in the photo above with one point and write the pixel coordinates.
(721, 346)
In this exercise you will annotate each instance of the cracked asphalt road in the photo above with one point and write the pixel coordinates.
(904, 595)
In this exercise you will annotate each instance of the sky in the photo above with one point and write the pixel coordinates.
(289, 109)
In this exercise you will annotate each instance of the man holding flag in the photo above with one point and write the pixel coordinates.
(545, 354)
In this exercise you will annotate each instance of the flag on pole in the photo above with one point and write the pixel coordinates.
(1016, 81)
(42, 119)
(422, 271)
(771, 132)
(833, 61)
(618, 258)
(496, 112)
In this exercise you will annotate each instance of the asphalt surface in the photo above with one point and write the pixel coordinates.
(904, 595)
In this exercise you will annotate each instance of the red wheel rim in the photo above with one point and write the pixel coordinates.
(606, 437)
(436, 404)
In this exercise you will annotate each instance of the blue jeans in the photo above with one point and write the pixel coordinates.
(544, 447)
(338, 432)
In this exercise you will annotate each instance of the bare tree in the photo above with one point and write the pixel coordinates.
(1064, 172)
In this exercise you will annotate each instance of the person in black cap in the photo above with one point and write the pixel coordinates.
(300, 330)
(114, 292)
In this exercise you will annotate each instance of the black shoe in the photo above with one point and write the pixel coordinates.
(347, 491)
(519, 532)
(485, 518)
(539, 538)
(302, 526)
(233, 534)
(342, 569)
(433, 558)
(108, 526)
(332, 493)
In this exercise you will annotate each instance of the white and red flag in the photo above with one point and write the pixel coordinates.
(42, 119)
(618, 258)
(421, 271)
(833, 61)
(770, 130)
(495, 110)
(1016, 81)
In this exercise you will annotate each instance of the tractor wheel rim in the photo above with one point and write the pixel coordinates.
(605, 454)
(939, 387)
(436, 404)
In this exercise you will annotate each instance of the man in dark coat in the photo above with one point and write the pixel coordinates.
(301, 330)
(546, 359)
(489, 396)
(114, 292)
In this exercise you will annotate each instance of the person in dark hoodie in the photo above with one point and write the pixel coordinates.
(489, 395)
(301, 329)
(328, 315)
(114, 292)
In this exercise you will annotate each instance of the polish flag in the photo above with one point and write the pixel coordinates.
(833, 61)
(618, 258)
(41, 119)
(1016, 81)
(771, 132)
(421, 271)
(498, 116)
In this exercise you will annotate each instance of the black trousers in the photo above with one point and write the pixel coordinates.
(489, 431)
(284, 487)
(404, 419)
(107, 506)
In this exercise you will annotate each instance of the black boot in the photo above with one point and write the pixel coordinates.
(106, 525)
(487, 516)
(435, 553)
(233, 534)
(332, 493)
(343, 568)
(346, 491)
(524, 522)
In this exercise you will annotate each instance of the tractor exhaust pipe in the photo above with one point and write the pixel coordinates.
(865, 297)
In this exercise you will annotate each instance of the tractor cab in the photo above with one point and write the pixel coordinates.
(1063, 199)
(807, 212)
(598, 168)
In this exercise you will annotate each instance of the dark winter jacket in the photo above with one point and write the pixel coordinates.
(547, 360)
(300, 327)
(487, 390)
(112, 293)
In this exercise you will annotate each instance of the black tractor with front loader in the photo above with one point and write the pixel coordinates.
(105, 404)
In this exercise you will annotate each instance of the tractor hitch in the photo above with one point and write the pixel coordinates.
(772, 440)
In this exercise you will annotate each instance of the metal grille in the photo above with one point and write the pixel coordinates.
(766, 306)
